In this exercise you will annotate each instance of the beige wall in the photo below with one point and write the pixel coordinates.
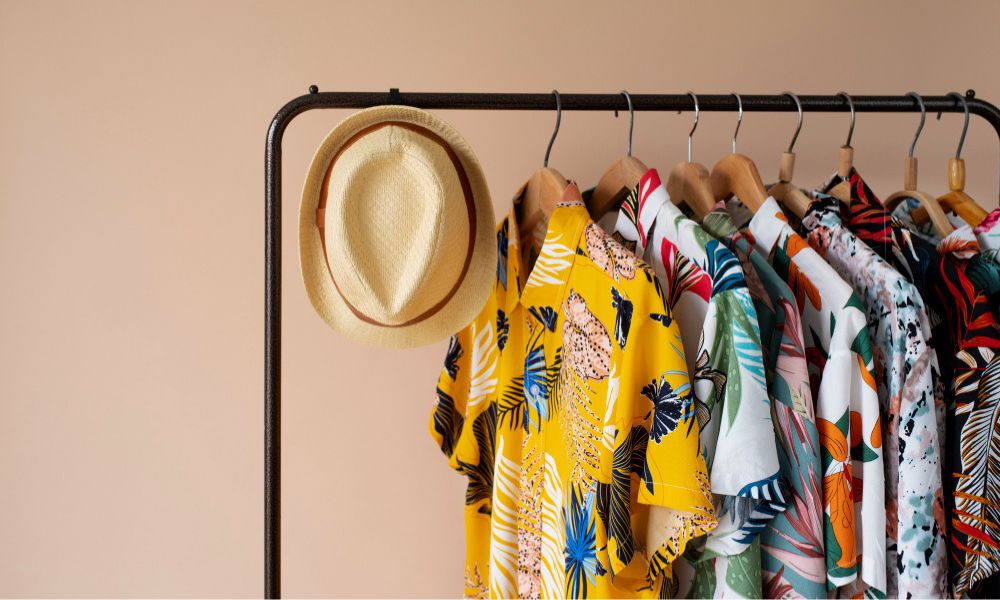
(131, 222)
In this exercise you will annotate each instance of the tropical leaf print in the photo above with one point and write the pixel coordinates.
(670, 407)
(610, 428)
(586, 343)
(837, 496)
(475, 587)
(801, 286)
(480, 474)
(608, 254)
(613, 498)
(552, 263)
(682, 275)
(511, 404)
(680, 527)
(703, 371)
(503, 527)
(454, 353)
(775, 585)
(502, 244)
(553, 531)
(743, 571)
(623, 317)
(748, 347)
(483, 380)
(503, 329)
(581, 429)
(529, 522)
(448, 422)
(723, 268)
(977, 490)
(581, 542)
(536, 389)
(546, 315)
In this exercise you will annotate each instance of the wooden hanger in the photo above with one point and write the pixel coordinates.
(955, 199)
(690, 183)
(620, 178)
(537, 197)
(845, 160)
(787, 194)
(929, 208)
(736, 175)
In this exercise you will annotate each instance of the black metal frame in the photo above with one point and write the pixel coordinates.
(480, 101)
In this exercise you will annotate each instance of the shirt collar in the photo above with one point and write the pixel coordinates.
(767, 225)
(562, 236)
(961, 243)
(824, 211)
(639, 210)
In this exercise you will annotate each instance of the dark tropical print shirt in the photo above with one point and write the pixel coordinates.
(967, 339)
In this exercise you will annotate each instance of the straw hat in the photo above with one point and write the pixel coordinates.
(396, 229)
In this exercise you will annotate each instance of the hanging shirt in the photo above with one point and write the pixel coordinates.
(967, 340)
(988, 234)
(841, 369)
(706, 289)
(567, 405)
(978, 248)
(792, 560)
(963, 246)
(909, 388)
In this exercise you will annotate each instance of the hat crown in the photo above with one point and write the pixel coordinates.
(397, 224)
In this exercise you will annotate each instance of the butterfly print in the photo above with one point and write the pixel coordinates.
(669, 407)
(609, 255)
(623, 317)
(586, 342)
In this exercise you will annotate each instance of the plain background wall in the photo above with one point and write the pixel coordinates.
(131, 251)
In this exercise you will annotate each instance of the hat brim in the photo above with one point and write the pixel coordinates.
(472, 291)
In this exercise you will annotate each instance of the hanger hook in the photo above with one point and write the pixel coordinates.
(923, 117)
(555, 131)
(631, 119)
(739, 119)
(965, 127)
(697, 112)
(850, 104)
(798, 128)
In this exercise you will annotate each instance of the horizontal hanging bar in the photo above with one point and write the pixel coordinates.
(641, 102)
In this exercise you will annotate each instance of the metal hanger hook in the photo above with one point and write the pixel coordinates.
(555, 132)
(923, 117)
(697, 112)
(965, 127)
(631, 120)
(798, 105)
(739, 119)
(850, 104)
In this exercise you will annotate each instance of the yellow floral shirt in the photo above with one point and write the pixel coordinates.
(567, 405)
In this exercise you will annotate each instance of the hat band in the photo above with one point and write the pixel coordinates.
(469, 205)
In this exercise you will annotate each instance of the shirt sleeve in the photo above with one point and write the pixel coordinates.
(463, 420)
(674, 476)
(733, 406)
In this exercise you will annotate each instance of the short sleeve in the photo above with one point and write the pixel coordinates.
(655, 380)
(448, 415)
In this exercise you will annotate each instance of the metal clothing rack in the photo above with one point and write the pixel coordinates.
(483, 101)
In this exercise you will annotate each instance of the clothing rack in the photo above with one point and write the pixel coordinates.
(485, 101)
